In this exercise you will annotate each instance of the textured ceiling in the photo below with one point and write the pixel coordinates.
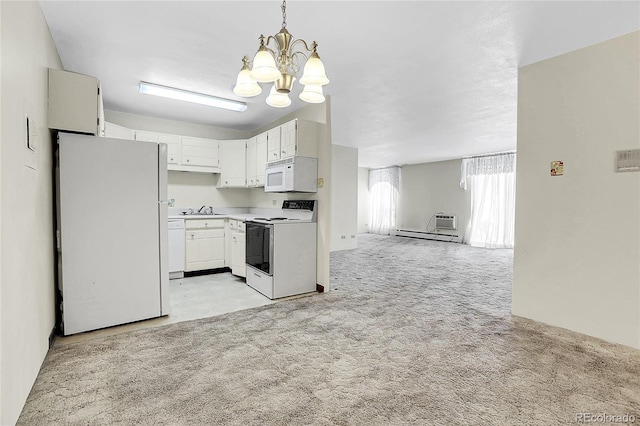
(411, 82)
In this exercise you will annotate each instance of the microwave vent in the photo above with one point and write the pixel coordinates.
(444, 221)
(289, 160)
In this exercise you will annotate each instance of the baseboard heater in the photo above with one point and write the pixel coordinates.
(450, 238)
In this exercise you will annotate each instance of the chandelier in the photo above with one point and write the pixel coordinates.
(280, 66)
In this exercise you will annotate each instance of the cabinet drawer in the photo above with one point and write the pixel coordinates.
(241, 226)
(262, 283)
(204, 223)
(198, 234)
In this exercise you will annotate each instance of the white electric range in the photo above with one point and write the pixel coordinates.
(281, 251)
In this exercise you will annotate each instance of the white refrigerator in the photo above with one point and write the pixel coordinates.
(112, 231)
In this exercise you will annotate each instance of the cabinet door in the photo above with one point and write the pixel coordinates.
(273, 144)
(238, 265)
(251, 162)
(74, 102)
(204, 249)
(261, 158)
(230, 227)
(173, 147)
(199, 152)
(232, 163)
(288, 139)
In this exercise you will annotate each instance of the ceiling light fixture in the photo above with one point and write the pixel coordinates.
(280, 66)
(196, 98)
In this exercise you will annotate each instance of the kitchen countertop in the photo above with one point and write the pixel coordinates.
(238, 216)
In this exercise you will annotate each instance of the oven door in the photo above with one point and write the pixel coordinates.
(259, 246)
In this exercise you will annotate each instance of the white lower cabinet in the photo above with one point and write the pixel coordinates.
(238, 251)
(237, 241)
(204, 245)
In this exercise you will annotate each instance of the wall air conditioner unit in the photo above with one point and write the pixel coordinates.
(444, 221)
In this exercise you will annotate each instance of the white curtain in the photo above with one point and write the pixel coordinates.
(492, 181)
(384, 190)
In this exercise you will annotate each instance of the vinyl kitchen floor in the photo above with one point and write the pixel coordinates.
(190, 298)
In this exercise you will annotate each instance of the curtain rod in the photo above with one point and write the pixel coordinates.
(489, 155)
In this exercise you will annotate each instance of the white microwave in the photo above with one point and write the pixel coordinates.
(293, 174)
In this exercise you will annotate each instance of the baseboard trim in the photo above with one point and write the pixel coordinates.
(449, 238)
(188, 274)
(52, 337)
(319, 288)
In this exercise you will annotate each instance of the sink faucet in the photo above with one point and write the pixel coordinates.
(200, 210)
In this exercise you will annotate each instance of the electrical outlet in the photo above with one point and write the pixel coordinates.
(320, 182)
(275, 202)
(342, 237)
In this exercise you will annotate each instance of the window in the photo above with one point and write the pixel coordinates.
(384, 189)
(492, 183)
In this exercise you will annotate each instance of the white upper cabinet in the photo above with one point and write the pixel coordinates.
(273, 144)
(256, 159)
(261, 158)
(232, 164)
(299, 137)
(75, 103)
(185, 153)
(288, 139)
(174, 148)
(251, 162)
(199, 153)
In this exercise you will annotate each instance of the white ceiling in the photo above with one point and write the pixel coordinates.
(411, 82)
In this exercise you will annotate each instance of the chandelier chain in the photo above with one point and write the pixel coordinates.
(284, 13)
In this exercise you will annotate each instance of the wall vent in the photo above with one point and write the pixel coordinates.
(444, 221)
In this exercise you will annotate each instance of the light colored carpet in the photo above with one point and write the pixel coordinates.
(415, 332)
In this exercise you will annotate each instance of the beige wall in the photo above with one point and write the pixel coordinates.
(577, 236)
(363, 200)
(344, 200)
(430, 188)
(27, 244)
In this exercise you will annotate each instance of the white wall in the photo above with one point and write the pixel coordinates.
(577, 236)
(194, 190)
(27, 230)
(364, 200)
(344, 202)
(426, 189)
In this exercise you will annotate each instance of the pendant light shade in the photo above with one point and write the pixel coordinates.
(314, 71)
(246, 86)
(312, 93)
(264, 67)
(277, 99)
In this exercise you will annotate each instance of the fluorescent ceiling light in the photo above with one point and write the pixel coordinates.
(197, 98)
